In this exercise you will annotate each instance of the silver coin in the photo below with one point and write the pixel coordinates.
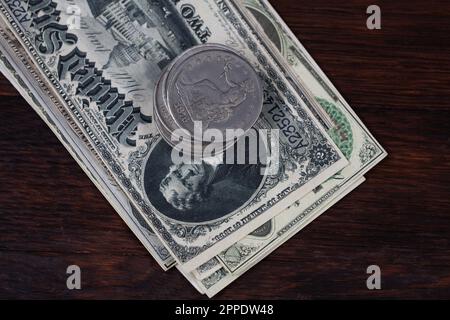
(213, 85)
(166, 127)
(166, 120)
(161, 91)
(193, 50)
(161, 110)
(163, 118)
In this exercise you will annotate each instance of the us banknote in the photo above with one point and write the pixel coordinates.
(73, 142)
(209, 268)
(347, 130)
(102, 74)
(97, 175)
(223, 277)
(77, 145)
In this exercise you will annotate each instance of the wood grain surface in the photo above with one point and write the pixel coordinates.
(396, 79)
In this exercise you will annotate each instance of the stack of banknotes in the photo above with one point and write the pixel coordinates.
(89, 68)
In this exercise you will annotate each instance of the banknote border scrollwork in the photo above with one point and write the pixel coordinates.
(184, 253)
(214, 278)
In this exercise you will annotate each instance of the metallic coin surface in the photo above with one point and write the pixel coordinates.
(163, 113)
(161, 109)
(215, 86)
(166, 127)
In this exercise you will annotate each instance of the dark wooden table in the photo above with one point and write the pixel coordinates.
(396, 79)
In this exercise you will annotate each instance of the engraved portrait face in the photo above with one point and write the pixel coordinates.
(185, 185)
(197, 193)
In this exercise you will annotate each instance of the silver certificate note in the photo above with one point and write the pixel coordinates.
(77, 147)
(102, 59)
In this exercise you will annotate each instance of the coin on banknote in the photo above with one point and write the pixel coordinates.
(214, 86)
(208, 86)
(171, 132)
